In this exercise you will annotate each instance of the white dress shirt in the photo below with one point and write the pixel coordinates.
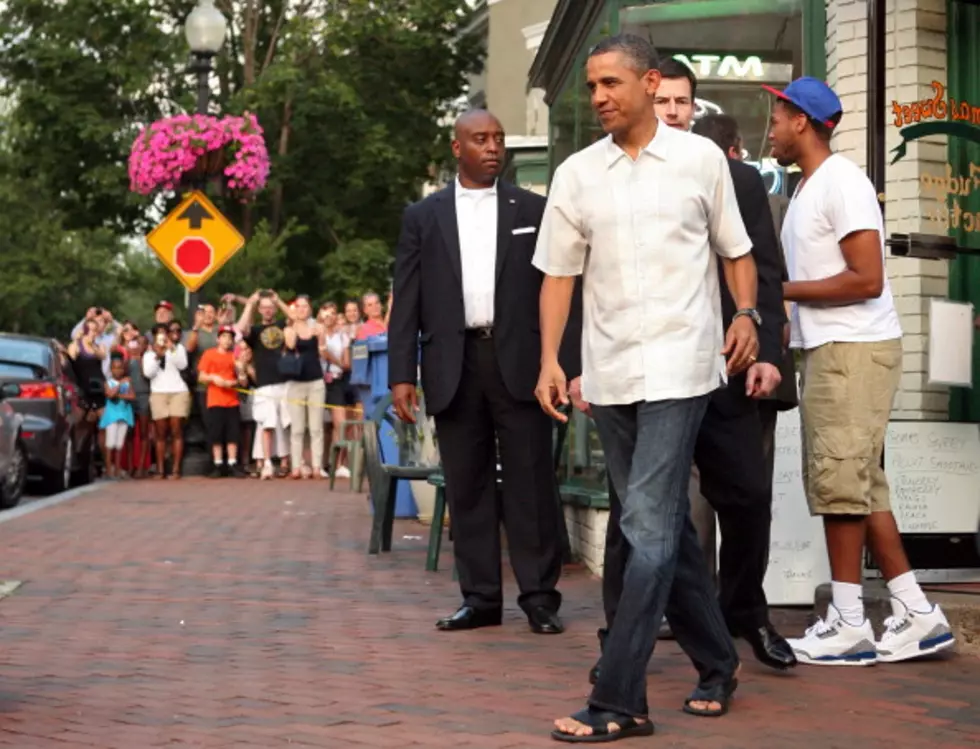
(476, 222)
(642, 233)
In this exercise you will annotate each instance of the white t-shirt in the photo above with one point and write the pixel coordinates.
(838, 199)
(335, 344)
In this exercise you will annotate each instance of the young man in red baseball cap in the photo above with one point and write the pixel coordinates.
(844, 320)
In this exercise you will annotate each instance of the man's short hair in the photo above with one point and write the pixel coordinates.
(824, 132)
(640, 54)
(721, 128)
(673, 69)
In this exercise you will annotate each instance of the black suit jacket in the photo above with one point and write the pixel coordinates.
(427, 298)
(753, 205)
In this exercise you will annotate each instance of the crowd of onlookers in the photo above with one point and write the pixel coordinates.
(271, 382)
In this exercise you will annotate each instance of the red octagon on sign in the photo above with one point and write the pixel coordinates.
(193, 256)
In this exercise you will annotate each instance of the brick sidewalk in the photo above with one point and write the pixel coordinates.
(247, 614)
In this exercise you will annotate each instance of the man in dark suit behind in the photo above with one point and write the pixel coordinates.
(466, 292)
(729, 452)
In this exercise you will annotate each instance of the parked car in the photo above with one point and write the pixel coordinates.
(13, 452)
(59, 406)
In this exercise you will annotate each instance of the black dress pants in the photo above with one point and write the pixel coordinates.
(482, 418)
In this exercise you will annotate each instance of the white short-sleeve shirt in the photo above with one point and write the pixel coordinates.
(642, 234)
(838, 199)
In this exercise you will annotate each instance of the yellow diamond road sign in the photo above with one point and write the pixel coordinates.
(195, 240)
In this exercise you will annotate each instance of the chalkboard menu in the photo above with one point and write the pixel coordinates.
(797, 550)
(933, 470)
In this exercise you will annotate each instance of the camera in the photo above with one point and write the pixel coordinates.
(161, 339)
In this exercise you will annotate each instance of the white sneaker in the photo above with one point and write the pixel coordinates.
(914, 634)
(267, 471)
(834, 642)
(343, 472)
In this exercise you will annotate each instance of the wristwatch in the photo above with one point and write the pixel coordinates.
(751, 313)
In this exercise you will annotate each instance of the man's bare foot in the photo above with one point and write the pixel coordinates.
(713, 707)
(592, 722)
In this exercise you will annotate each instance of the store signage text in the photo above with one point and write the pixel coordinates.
(935, 108)
(939, 114)
(723, 66)
(952, 187)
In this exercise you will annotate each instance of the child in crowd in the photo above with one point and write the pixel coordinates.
(222, 374)
(117, 416)
(243, 363)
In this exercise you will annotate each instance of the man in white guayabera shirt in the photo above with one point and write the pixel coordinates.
(638, 215)
(845, 321)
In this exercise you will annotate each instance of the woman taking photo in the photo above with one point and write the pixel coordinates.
(305, 389)
(336, 356)
(170, 399)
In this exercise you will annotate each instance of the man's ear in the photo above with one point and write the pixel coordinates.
(456, 148)
(653, 79)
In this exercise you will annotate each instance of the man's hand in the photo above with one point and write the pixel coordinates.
(405, 400)
(552, 390)
(741, 344)
(198, 318)
(254, 298)
(575, 393)
(90, 313)
(761, 380)
(107, 316)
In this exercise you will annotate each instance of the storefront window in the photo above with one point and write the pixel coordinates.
(562, 122)
(732, 56)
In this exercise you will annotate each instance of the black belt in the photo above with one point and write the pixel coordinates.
(483, 332)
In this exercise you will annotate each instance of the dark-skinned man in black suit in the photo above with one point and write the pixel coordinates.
(466, 293)
(729, 453)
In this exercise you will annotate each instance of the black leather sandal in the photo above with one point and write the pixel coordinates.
(598, 721)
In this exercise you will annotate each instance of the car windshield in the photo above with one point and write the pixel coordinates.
(23, 358)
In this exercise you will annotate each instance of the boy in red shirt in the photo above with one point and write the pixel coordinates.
(217, 369)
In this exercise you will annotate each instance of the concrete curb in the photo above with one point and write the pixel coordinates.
(42, 504)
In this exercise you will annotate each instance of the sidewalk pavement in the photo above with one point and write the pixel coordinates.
(247, 614)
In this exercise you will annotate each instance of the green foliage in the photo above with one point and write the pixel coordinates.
(356, 267)
(353, 96)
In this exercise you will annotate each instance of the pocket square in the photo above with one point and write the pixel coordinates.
(525, 230)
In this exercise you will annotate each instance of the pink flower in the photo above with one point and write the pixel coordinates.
(168, 148)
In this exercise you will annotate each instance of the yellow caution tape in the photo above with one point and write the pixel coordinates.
(298, 402)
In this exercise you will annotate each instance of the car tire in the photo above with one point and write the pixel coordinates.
(12, 485)
(59, 480)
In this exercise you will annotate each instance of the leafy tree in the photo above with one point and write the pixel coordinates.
(353, 96)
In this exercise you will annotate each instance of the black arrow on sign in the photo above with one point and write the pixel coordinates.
(194, 214)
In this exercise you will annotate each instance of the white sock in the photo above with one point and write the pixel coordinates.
(232, 461)
(848, 601)
(906, 589)
(217, 461)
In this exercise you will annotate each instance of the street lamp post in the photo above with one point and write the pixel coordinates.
(205, 31)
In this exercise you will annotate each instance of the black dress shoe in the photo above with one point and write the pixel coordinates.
(467, 617)
(770, 647)
(544, 621)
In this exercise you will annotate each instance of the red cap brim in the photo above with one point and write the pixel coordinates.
(781, 95)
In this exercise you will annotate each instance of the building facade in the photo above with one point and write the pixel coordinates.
(734, 46)
(931, 183)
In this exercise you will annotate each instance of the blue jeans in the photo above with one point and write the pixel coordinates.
(649, 447)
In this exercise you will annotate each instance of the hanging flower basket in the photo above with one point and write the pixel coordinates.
(181, 150)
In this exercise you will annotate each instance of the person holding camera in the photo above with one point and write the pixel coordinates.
(266, 340)
(170, 400)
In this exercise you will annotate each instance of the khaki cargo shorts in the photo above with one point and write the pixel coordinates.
(846, 394)
(170, 405)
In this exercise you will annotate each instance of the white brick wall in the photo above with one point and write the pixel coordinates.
(915, 56)
(587, 535)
